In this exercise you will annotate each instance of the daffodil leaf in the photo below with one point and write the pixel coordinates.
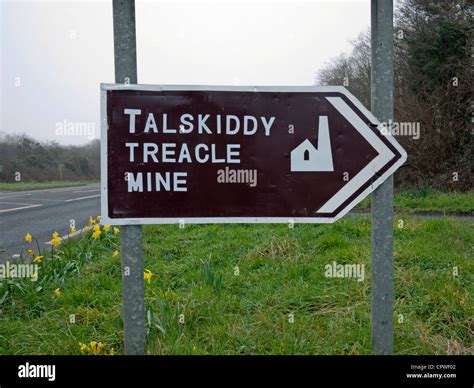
(4, 297)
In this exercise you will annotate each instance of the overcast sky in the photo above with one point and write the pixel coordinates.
(54, 55)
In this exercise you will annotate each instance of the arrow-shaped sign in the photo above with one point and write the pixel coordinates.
(370, 171)
(220, 154)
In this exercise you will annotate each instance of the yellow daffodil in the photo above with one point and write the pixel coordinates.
(147, 275)
(115, 254)
(28, 237)
(96, 228)
(87, 228)
(82, 347)
(37, 259)
(116, 230)
(55, 241)
(91, 221)
(57, 292)
(73, 229)
(96, 234)
(106, 228)
(96, 347)
(30, 252)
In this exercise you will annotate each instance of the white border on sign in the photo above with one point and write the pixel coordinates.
(247, 220)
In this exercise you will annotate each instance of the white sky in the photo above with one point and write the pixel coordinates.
(54, 55)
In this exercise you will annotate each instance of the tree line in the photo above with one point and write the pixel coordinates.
(23, 159)
(433, 89)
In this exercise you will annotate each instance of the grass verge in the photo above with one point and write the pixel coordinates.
(248, 289)
(429, 201)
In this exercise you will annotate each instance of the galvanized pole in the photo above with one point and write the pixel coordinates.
(133, 305)
(382, 197)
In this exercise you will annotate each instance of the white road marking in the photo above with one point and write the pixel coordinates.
(53, 190)
(61, 190)
(86, 191)
(18, 208)
(18, 203)
(77, 199)
(45, 199)
(13, 195)
(66, 236)
(67, 189)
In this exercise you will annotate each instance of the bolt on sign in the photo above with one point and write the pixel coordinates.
(230, 154)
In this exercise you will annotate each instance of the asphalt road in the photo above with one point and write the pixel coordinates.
(42, 212)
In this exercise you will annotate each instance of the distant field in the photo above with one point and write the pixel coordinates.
(249, 289)
(429, 201)
(20, 186)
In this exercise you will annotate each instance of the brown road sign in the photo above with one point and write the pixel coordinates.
(228, 154)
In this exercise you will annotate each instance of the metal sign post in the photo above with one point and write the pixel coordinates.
(133, 305)
(382, 197)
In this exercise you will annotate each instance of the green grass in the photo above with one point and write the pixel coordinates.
(230, 289)
(429, 201)
(22, 186)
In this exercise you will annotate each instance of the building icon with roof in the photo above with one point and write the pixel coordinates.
(306, 157)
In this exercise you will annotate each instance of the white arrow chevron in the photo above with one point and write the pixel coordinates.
(383, 157)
